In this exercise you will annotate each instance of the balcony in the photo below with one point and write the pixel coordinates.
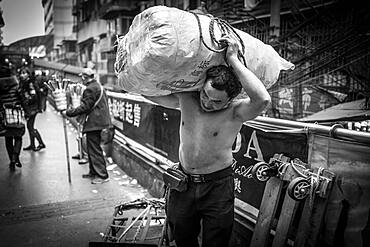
(112, 11)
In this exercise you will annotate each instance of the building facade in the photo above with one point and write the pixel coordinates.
(59, 23)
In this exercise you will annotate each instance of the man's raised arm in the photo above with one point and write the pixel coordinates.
(259, 98)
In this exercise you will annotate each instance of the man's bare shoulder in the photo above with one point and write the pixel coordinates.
(186, 94)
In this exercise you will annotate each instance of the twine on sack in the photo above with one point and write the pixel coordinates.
(225, 29)
(121, 53)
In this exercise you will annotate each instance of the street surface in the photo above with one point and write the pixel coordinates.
(38, 205)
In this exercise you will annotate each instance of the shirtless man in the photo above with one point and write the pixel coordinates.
(210, 121)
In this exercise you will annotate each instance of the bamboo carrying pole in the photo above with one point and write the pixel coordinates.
(335, 131)
(67, 148)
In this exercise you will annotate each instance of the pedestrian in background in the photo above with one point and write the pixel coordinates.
(42, 90)
(11, 114)
(94, 109)
(30, 103)
(76, 94)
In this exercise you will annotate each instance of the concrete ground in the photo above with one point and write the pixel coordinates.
(38, 205)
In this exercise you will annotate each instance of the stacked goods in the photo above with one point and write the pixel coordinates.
(169, 50)
(76, 91)
(58, 88)
(60, 99)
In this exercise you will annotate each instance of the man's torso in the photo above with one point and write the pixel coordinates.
(206, 138)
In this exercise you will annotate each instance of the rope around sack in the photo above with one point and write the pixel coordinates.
(225, 28)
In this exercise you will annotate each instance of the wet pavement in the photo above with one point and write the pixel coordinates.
(38, 205)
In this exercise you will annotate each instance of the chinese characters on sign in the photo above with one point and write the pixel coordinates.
(125, 111)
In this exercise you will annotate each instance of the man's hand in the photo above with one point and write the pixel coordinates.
(67, 111)
(232, 47)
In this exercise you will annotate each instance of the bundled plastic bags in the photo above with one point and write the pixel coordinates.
(169, 50)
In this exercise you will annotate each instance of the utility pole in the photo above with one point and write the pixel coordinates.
(2, 24)
(274, 36)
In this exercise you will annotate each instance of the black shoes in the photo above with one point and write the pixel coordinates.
(33, 148)
(39, 147)
(88, 175)
(30, 147)
(76, 157)
(99, 180)
(83, 161)
(14, 164)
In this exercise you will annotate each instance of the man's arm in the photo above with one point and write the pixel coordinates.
(169, 101)
(259, 98)
(87, 102)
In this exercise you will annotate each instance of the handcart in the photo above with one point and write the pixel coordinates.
(141, 222)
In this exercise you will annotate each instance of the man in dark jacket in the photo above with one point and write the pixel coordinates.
(94, 105)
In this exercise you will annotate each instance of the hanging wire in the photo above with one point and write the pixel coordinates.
(318, 76)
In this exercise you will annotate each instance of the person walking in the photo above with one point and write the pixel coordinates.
(30, 103)
(42, 91)
(11, 114)
(210, 120)
(94, 109)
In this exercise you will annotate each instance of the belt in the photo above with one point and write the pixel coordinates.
(204, 178)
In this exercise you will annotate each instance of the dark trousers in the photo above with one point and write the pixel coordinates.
(211, 203)
(42, 102)
(95, 154)
(34, 133)
(13, 147)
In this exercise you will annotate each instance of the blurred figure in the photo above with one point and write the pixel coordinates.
(12, 116)
(42, 91)
(76, 93)
(30, 103)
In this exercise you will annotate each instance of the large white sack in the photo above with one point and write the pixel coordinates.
(162, 53)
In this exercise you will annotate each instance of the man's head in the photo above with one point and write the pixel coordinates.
(220, 87)
(87, 74)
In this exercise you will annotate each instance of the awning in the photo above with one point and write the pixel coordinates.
(350, 111)
(66, 68)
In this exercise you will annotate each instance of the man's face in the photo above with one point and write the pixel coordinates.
(84, 78)
(212, 99)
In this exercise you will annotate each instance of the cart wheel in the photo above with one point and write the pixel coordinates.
(299, 188)
(259, 172)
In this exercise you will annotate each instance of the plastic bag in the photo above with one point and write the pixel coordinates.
(168, 50)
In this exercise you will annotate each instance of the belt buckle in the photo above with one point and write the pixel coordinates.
(198, 178)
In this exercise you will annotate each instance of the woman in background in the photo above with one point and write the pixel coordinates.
(30, 104)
